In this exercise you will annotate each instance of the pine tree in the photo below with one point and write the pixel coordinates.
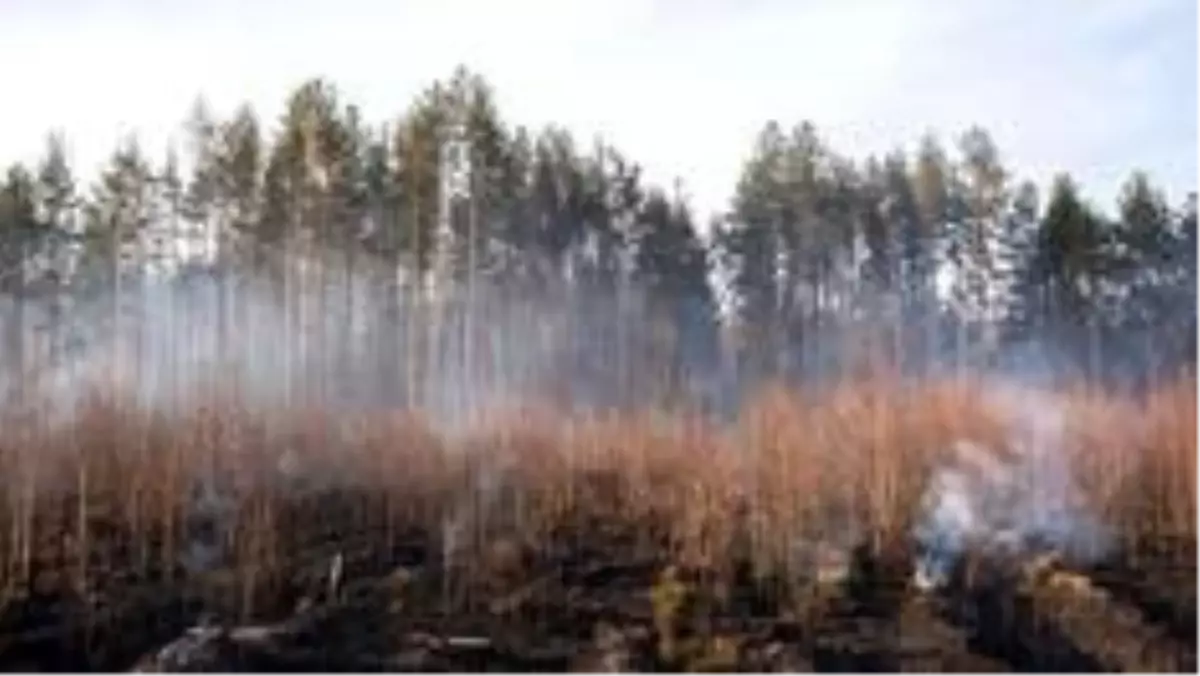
(1150, 262)
(57, 207)
(1144, 239)
(171, 198)
(750, 248)
(604, 238)
(58, 214)
(381, 194)
(121, 208)
(1017, 254)
(809, 248)
(161, 254)
(623, 206)
(300, 169)
(878, 270)
(557, 227)
(841, 238)
(19, 230)
(514, 234)
(927, 249)
(489, 143)
(1183, 283)
(416, 152)
(985, 198)
(412, 235)
(1068, 268)
(672, 267)
(239, 179)
(199, 205)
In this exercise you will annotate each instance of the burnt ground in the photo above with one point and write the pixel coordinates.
(1161, 586)
(600, 602)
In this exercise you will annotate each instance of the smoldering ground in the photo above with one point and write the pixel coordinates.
(1017, 501)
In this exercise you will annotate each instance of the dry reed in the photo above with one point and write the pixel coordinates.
(794, 472)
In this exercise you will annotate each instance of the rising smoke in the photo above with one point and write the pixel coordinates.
(1014, 501)
(341, 339)
(354, 340)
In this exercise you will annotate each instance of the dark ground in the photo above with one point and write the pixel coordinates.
(600, 606)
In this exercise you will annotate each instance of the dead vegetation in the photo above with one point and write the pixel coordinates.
(541, 540)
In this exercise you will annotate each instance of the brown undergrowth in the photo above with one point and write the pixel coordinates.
(111, 493)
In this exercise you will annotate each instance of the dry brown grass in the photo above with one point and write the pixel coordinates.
(118, 481)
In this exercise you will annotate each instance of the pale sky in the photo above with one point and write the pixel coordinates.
(1096, 87)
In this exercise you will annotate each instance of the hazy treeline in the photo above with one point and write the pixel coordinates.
(332, 255)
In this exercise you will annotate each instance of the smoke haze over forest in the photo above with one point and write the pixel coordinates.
(937, 187)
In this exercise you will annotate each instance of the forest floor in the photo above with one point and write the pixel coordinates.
(600, 599)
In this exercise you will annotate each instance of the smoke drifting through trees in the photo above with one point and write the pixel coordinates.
(337, 259)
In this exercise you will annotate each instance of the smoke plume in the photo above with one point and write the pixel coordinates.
(1018, 500)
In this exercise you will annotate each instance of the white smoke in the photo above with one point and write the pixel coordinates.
(1021, 502)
